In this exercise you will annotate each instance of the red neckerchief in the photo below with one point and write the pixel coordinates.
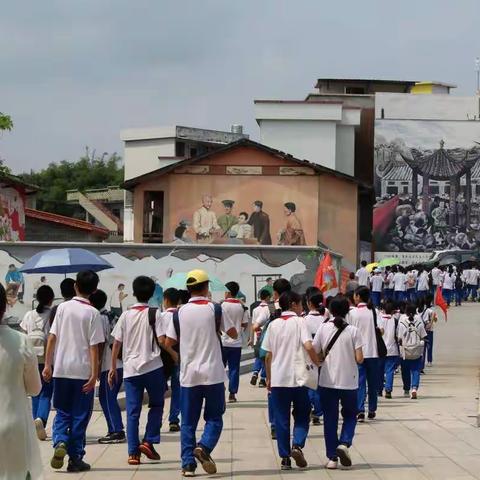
(387, 316)
(199, 302)
(362, 305)
(85, 302)
(171, 310)
(232, 300)
(286, 317)
(140, 308)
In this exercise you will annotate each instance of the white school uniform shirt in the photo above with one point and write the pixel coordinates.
(403, 326)
(423, 281)
(362, 318)
(313, 319)
(428, 316)
(339, 370)
(389, 281)
(236, 315)
(387, 323)
(115, 299)
(377, 282)
(200, 349)
(411, 279)
(362, 275)
(260, 316)
(399, 282)
(436, 276)
(134, 331)
(107, 350)
(472, 277)
(449, 281)
(77, 326)
(33, 320)
(285, 335)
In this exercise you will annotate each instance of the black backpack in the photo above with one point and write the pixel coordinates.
(167, 360)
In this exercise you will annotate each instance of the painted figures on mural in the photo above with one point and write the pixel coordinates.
(12, 215)
(260, 221)
(241, 230)
(292, 234)
(205, 221)
(227, 220)
(426, 199)
(15, 285)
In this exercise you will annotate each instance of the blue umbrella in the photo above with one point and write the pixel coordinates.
(64, 260)
(179, 281)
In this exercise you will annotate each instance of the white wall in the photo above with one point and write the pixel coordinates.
(310, 140)
(345, 149)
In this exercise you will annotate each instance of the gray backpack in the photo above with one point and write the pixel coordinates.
(38, 340)
(412, 343)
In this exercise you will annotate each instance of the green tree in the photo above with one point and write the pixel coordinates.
(5, 122)
(90, 171)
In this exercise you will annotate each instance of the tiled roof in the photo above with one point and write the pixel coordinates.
(401, 173)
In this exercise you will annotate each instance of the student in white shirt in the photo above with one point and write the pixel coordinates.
(338, 380)
(202, 374)
(260, 316)
(285, 336)
(108, 396)
(362, 317)
(232, 347)
(74, 337)
(116, 300)
(412, 367)
(410, 283)
(388, 323)
(399, 285)
(472, 282)
(388, 283)
(376, 282)
(429, 318)
(314, 319)
(362, 275)
(36, 324)
(423, 287)
(437, 276)
(142, 369)
(448, 285)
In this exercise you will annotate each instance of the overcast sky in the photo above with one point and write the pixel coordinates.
(74, 73)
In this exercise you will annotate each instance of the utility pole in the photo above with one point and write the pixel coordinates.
(477, 69)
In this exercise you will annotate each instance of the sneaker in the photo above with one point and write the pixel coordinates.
(422, 372)
(371, 416)
(40, 427)
(205, 459)
(430, 364)
(189, 471)
(388, 395)
(361, 418)
(59, 452)
(134, 459)
(174, 427)
(344, 455)
(286, 464)
(273, 433)
(149, 451)
(332, 465)
(414, 395)
(406, 393)
(77, 465)
(232, 398)
(262, 383)
(112, 438)
(316, 420)
(254, 379)
(299, 458)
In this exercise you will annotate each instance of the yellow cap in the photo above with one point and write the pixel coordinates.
(195, 277)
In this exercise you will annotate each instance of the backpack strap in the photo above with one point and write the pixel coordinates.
(176, 324)
(217, 309)
(152, 320)
(335, 338)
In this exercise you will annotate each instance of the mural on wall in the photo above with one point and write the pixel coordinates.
(427, 185)
(244, 212)
(12, 214)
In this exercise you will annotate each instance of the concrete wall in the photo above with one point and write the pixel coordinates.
(345, 149)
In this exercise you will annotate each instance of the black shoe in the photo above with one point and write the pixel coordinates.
(372, 415)
(299, 458)
(286, 464)
(273, 433)
(315, 420)
(189, 471)
(174, 427)
(232, 398)
(388, 394)
(361, 417)
(149, 451)
(254, 379)
(77, 465)
(262, 383)
(380, 394)
(422, 372)
(205, 460)
(112, 438)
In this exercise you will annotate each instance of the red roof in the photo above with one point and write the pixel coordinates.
(66, 221)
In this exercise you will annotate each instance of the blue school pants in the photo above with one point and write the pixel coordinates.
(175, 397)
(411, 373)
(412, 294)
(231, 358)
(154, 383)
(331, 398)
(376, 298)
(458, 296)
(472, 291)
(421, 294)
(399, 296)
(108, 401)
(428, 349)
(259, 368)
(315, 401)
(388, 293)
(381, 375)
(447, 295)
(74, 409)
(271, 417)
(391, 364)
(368, 375)
(282, 400)
(42, 402)
(191, 402)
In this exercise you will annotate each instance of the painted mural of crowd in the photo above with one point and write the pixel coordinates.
(416, 230)
(244, 227)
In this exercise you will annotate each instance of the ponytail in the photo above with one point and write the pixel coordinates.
(339, 322)
(411, 310)
(44, 298)
(317, 301)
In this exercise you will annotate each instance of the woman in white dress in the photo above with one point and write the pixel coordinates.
(19, 377)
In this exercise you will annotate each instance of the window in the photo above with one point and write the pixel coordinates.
(392, 190)
(434, 189)
(179, 149)
(355, 90)
(193, 152)
(153, 217)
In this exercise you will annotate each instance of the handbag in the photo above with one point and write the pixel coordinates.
(306, 372)
(381, 347)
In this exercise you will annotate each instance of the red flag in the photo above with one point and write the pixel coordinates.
(440, 301)
(384, 215)
(325, 279)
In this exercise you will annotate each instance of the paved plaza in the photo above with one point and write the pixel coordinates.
(433, 438)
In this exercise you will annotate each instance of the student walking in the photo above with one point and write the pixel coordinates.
(448, 284)
(340, 346)
(362, 274)
(73, 341)
(459, 287)
(423, 287)
(237, 315)
(411, 335)
(376, 284)
(36, 324)
(140, 339)
(429, 318)
(106, 395)
(399, 285)
(285, 336)
(363, 317)
(196, 328)
(472, 282)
